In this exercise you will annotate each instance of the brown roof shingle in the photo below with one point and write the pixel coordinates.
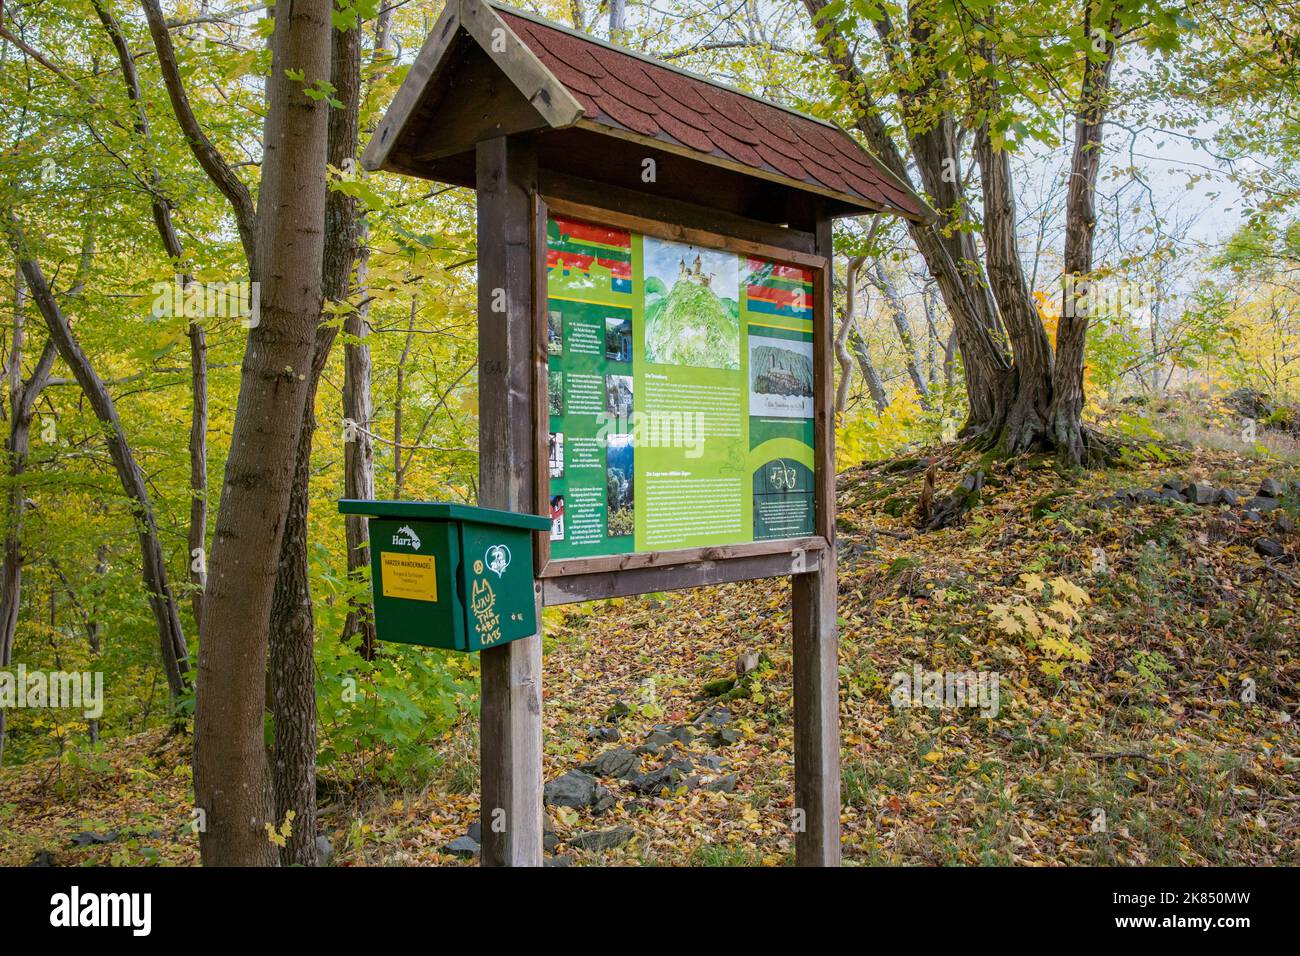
(621, 90)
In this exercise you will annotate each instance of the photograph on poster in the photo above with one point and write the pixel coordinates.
(619, 486)
(555, 454)
(780, 377)
(555, 332)
(618, 339)
(618, 395)
(557, 517)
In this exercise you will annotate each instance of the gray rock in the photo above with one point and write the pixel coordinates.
(475, 831)
(1284, 523)
(1261, 503)
(724, 737)
(678, 732)
(324, 850)
(723, 784)
(710, 762)
(655, 741)
(1269, 548)
(549, 842)
(1170, 495)
(42, 858)
(1201, 493)
(602, 839)
(1270, 488)
(618, 762)
(574, 789)
(654, 782)
(558, 861)
(714, 716)
(607, 734)
(665, 735)
(90, 838)
(462, 847)
(1228, 497)
(1251, 517)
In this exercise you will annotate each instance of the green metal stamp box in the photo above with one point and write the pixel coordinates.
(450, 575)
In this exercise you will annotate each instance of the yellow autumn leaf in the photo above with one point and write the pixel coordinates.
(1070, 591)
(1064, 610)
(1032, 583)
(1030, 619)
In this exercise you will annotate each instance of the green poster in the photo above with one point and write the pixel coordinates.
(679, 393)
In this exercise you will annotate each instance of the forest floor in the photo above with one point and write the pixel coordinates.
(1148, 700)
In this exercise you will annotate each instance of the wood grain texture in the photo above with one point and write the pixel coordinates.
(539, 86)
(413, 87)
(814, 620)
(661, 209)
(659, 559)
(608, 584)
(511, 711)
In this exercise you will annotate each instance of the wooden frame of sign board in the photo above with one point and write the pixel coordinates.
(493, 102)
(515, 194)
(570, 580)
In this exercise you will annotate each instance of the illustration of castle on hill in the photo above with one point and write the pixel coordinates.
(693, 274)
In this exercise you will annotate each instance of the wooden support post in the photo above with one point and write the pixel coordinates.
(814, 621)
(510, 722)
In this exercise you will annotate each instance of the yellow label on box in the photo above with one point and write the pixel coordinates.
(410, 576)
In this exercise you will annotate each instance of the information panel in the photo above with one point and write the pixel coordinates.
(680, 394)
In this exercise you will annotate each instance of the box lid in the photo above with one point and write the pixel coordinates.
(443, 511)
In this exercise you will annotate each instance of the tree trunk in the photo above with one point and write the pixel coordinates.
(903, 326)
(293, 632)
(851, 277)
(1025, 424)
(1025, 399)
(879, 397)
(231, 784)
(171, 638)
(947, 246)
(399, 469)
(1066, 413)
(359, 452)
(22, 402)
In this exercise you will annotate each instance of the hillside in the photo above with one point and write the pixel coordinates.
(1120, 738)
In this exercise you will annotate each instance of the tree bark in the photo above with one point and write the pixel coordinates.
(231, 784)
(903, 326)
(1025, 424)
(293, 631)
(851, 274)
(358, 412)
(22, 402)
(1066, 412)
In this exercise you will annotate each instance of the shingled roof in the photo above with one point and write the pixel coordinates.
(571, 81)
